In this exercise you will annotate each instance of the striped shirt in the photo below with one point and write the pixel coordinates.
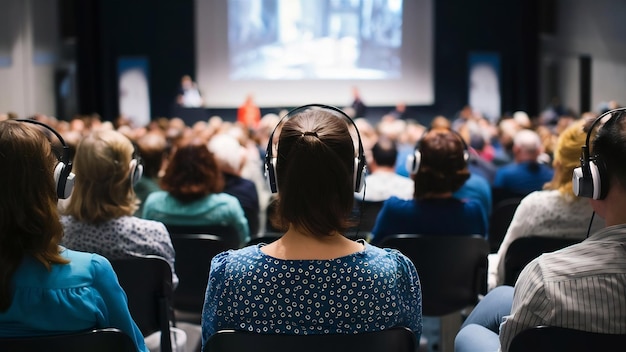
(581, 287)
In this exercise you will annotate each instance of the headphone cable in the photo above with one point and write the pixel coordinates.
(590, 222)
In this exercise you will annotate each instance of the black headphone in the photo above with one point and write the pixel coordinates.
(360, 164)
(590, 179)
(63, 176)
(414, 159)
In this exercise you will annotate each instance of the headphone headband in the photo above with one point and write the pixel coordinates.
(270, 160)
(63, 175)
(590, 179)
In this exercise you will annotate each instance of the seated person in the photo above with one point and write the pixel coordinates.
(99, 215)
(188, 94)
(230, 157)
(46, 289)
(152, 148)
(525, 174)
(382, 181)
(554, 211)
(312, 279)
(192, 192)
(439, 168)
(581, 286)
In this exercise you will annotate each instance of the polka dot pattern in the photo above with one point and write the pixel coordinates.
(366, 291)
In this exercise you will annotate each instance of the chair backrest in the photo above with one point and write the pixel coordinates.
(524, 249)
(398, 339)
(365, 213)
(552, 338)
(228, 233)
(147, 281)
(98, 340)
(194, 253)
(452, 269)
(500, 219)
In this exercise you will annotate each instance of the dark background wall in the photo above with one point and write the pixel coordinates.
(163, 32)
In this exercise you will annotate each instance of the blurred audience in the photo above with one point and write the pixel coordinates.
(525, 174)
(438, 168)
(554, 211)
(230, 157)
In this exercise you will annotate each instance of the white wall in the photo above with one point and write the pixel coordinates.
(29, 41)
(595, 28)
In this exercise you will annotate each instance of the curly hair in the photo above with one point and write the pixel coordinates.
(192, 173)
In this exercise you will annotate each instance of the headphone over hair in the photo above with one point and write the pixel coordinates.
(360, 164)
(590, 179)
(136, 169)
(63, 176)
(414, 159)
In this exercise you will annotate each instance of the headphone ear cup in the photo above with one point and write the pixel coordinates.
(413, 162)
(136, 171)
(359, 175)
(599, 178)
(270, 174)
(64, 180)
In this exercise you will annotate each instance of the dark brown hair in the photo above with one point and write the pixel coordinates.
(315, 167)
(29, 220)
(192, 173)
(443, 167)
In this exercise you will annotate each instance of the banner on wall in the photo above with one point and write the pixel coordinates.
(484, 84)
(133, 88)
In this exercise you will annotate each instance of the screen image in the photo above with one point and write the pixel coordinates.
(314, 40)
(293, 52)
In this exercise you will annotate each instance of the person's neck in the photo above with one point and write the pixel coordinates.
(379, 168)
(296, 244)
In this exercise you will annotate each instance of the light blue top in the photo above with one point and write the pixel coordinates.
(370, 290)
(78, 296)
(214, 209)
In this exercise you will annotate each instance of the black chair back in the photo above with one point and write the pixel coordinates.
(398, 339)
(500, 219)
(555, 339)
(147, 281)
(228, 233)
(365, 213)
(524, 249)
(194, 253)
(98, 340)
(452, 269)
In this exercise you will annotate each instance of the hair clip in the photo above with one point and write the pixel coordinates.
(309, 133)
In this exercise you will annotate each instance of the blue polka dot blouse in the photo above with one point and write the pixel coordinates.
(370, 290)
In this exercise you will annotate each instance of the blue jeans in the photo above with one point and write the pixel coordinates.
(479, 332)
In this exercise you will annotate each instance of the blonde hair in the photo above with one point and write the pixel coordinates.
(567, 157)
(29, 224)
(103, 187)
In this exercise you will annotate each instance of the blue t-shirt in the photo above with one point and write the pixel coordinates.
(440, 216)
(78, 296)
(522, 178)
(476, 187)
(370, 290)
